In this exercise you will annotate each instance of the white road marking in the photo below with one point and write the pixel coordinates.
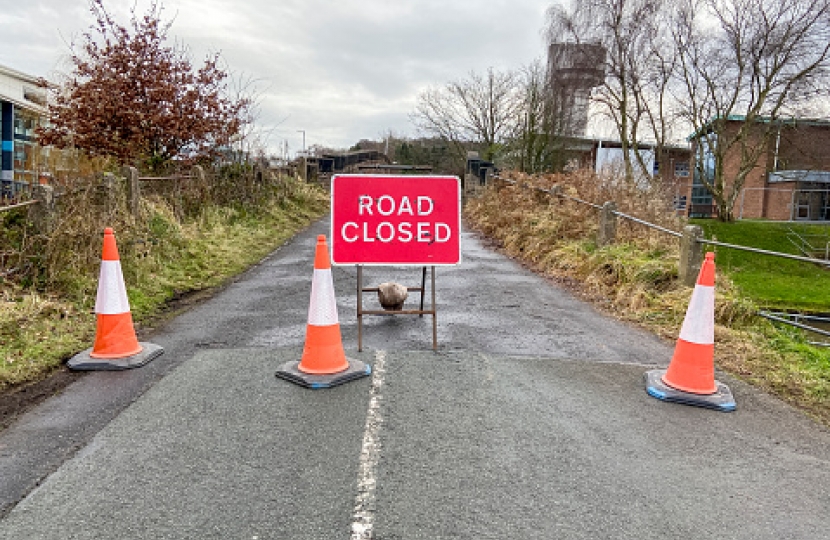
(364, 508)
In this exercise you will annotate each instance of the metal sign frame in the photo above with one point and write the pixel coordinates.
(420, 312)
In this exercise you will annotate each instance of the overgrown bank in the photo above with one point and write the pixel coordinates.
(635, 279)
(173, 248)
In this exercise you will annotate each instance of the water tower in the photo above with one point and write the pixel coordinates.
(574, 69)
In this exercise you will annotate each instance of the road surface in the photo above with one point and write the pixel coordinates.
(531, 421)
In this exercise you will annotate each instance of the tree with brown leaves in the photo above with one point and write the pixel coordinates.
(135, 98)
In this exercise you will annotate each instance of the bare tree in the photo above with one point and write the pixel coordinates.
(538, 144)
(754, 60)
(637, 67)
(481, 109)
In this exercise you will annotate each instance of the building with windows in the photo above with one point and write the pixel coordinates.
(788, 181)
(23, 104)
(669, 163)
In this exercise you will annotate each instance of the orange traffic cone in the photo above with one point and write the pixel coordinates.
(116, 345)
(323, 363)
(690, 377)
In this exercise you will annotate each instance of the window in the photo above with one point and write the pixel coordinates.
(681, 169)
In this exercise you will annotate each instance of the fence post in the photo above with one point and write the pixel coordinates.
(607, 233)
(691, 255)
(199, 173)
(199, 179)
(42, 214)
(133, 190)
(109, 192)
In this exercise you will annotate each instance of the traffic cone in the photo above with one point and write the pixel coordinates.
(116, 346)
(323, 363)
(690, 377)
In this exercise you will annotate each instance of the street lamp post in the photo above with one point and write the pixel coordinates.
(305, 164)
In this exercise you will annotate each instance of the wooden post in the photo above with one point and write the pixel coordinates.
(108, 192)
(42, 214)
(133, 190)
(607, 233)
(199, 178)
(198, 172)
(691, 255)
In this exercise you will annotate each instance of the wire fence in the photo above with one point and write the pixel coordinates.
(18, 205)
(556, 192)
(700, 241)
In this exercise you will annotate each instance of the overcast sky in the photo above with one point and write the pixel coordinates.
(341, 70)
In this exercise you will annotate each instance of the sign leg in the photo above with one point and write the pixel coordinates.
(423, 289)
(359, 308)
(434, 312)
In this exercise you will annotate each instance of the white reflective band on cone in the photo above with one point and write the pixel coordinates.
(112, 293)
(699, 324)
(322, 310)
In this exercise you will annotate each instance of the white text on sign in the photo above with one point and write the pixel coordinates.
(402, 231)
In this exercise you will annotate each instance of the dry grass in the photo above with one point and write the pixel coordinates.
(179, 242)
(636, 280)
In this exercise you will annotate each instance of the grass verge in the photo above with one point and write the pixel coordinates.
(39, 329)
(636, 280)
(772, 282)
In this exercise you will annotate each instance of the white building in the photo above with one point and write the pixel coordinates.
(23, 102)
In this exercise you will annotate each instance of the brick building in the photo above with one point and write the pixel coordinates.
(790, 179)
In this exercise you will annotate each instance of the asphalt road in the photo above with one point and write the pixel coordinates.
(531, 421)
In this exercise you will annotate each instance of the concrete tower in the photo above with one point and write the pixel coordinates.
(573, 71)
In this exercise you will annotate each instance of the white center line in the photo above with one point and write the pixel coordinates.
(364, 507)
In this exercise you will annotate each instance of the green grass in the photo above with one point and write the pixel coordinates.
(771, 282)
(41, 328)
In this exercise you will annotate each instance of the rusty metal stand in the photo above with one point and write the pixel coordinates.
(420, 312)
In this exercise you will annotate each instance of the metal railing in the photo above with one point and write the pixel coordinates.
(821, 262)
(792, 319)
(18, 205)
(805, 246)
(557, 192)
(162, 178)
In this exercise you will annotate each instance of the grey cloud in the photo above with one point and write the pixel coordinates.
(340, 70)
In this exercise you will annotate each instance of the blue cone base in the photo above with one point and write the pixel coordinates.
(356, 370)
(721, 400)
(84, 362)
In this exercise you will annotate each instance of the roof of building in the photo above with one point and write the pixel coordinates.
(25, 91)
(574, 143)
(818, 177)
(782, 120)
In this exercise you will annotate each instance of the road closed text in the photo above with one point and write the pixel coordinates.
(409, 221)
(385, 219)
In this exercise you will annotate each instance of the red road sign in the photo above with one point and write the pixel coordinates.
(400, 220)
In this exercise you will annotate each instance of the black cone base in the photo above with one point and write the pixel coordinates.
(84, 362)
(721, 400)
(356, 370)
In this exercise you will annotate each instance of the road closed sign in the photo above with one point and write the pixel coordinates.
(395, 220)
